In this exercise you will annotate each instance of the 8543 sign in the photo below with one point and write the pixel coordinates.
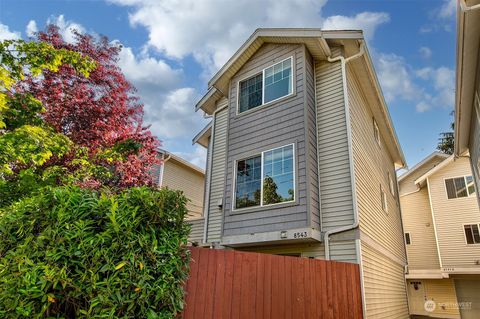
(300, 234)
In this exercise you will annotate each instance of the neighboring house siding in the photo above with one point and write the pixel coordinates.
(311, 142)
(336, 204)
(384, 286)
(372, 164)
(407, 184)
(275, 125)
(217, 178)
(442, 291)
(191, 183)
(196, 232)
(417, 220)
(451, 214)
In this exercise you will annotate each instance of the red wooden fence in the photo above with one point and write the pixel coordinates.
(232, 284)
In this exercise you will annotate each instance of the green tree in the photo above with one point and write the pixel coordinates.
(270, 195)
(26, 142)
(446, 140)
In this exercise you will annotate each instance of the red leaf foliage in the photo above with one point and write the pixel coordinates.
(97, 112)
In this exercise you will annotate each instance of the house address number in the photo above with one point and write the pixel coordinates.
(300, 234)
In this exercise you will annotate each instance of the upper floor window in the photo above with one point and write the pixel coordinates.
(459, 187)
(472, 235)
(265, 179)
(271, 84)
(376, 132)
(383, 198)
(408, 239)
(391, 184)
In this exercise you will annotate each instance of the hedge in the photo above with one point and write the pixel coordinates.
(76, 253)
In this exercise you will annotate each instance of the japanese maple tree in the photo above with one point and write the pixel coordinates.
(100, 114)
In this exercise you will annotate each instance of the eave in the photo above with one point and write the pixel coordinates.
(202, 137)
(468, 29)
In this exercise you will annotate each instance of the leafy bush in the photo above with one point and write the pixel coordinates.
(72, 252)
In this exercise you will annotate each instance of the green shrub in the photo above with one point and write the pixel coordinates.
(71, 253)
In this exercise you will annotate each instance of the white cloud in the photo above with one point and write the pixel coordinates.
(395, 77)
(212, 30)
(427, 87)
(66, 27)
(6, 34)
(367, 21)
(448, 9)
(425, 52)
(31, 28)
(197, 157)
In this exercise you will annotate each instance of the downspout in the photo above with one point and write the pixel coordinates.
(465, 8)
(162, 168)
(206, 201)
(343, 62)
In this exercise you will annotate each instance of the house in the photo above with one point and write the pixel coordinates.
(467, 99)
(441, 221)
(302, 158)
(179, 174)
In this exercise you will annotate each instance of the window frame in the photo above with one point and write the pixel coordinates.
(409, 238)
(292, 76)
(465, 236)
(391, 184)
(383, 199)
(261, 206)
(466, 186)
(376, 130)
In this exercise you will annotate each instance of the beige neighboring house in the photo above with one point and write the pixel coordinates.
(302, 158)
(441, 221)
(467, 99)
(179, 174)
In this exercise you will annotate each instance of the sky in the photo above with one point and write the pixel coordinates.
(171, 48)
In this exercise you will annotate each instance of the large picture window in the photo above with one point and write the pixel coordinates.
(265, 179)
(459, 187)
(271, 84)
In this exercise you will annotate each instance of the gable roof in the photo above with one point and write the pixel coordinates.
(468, 29)
(181, 161)
(421, 180)
(421, 163)
(318, 43)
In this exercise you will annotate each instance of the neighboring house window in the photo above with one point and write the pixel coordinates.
(390, 183)
(271, 84)
(277, 185)
(408, 240)
(383, 198)
(472, 235)
(376, 132)
(459, 187)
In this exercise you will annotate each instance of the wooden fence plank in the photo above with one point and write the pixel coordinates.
(232, 284)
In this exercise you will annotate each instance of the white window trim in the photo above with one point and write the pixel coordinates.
(383, 201)
(409, 237)
(292, 75)
(375, 128)
(391, 185)
(465, 237)
(234, 193)
(465, 179)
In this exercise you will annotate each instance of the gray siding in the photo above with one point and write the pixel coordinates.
(336, 202)
(311, 142)
(217, 182)
(277, 124)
